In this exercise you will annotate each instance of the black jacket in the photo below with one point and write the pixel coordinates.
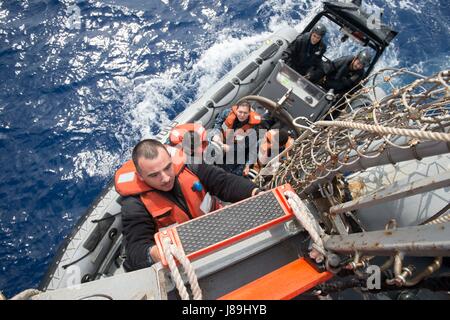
(340, 77)
(305, 56)
(139, 227)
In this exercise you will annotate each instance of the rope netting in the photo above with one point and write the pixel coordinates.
(365, 125)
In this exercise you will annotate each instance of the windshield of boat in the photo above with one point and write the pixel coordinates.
(342, 42)
(300, 86)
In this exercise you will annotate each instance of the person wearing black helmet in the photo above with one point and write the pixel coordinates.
(346, 72)
(305, 54)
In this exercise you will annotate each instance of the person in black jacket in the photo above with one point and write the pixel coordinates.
(154, 164)
(346, 72)
(306, 53)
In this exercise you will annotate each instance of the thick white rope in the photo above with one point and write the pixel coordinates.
(189, 269)
(171, 251)
(176, 276)
(307, 220)
(419, 134)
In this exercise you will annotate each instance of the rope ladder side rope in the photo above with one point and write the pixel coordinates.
(171, 252)
(419, 134)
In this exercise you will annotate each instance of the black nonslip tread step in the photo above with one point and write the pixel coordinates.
(229, 222)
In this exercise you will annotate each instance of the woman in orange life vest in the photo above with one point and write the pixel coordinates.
(273, 143)
(158, 189)
(233, 127)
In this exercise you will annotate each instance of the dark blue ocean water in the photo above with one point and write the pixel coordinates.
(78, 91)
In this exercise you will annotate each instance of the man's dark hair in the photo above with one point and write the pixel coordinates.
(244, 103)
(283, 137)
(148, 149)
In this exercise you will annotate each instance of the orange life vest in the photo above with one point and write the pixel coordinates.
(268, 142)
(267, 145)
(177, 134)
(253, 119)
(164, 211)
